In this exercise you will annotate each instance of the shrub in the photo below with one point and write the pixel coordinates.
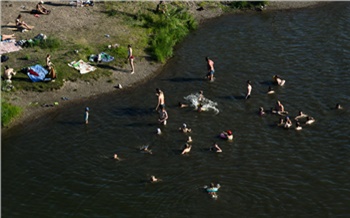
(8, 112)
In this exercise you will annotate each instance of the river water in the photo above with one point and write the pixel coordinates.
(58, 167)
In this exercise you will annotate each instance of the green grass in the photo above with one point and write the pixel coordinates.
(8, 112)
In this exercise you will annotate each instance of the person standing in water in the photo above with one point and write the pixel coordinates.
(131, 59)
(210, 66)
(161, 99)
(86, 117)
(249, 89)
(163, 116)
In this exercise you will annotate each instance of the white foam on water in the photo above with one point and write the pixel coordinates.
(206, 103)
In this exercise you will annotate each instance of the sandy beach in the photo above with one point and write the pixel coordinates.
(70, 18)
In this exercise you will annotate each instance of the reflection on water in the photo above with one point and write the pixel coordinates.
(57, 167)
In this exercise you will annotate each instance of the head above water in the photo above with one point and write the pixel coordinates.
(87, 109)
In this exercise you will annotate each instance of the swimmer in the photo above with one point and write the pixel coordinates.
(145, 149)
(227, 135)
(249, 89)
(279, 109)
(184, 128)
(270, 91)
(210, 67)
(163, 116)
(187, 149)
(215, 148)
(300, 115)
(200, 96)
(212, 189)
(181, 105)
(338, 106)
(298, 126)
(280, 122)
(154, 179)
(261, 111)
(278, 80)
(310, 120)
(161, 99)
(159, 131)
(288, 123)
(115, 157)
(189, 139)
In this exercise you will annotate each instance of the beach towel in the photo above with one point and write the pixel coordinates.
(104, 57)
(82, 66)
(37, 73)
(8, 46)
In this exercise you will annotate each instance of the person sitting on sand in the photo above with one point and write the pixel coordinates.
(184, 128)
(300, 115)
(41, 9)
(227, 135)
(145, 149)
(52, 73)
(187, 149)
(278, 80)
(8, 73)
(7, 37)
(21, 24)
(309, 120)
(270, 91)
(215, 147)
(288, 123)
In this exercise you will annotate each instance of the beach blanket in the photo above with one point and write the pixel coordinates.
(104, 57)
(8, 46)
(82, 66)
(37, 73)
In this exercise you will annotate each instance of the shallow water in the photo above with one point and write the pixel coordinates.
(56, 166)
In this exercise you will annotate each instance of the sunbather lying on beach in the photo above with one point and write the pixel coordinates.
(21, 24)
(6, 37)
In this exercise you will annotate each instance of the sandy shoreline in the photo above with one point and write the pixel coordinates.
(81, 90)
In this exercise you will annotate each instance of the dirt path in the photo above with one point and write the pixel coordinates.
(69, 19)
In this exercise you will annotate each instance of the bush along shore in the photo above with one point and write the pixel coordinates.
(153, 28)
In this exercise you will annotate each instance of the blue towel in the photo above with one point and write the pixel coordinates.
(41, 71)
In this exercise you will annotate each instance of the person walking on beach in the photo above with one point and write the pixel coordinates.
(86, 117)
(131, 59)
(249, 89)
(161, 99)
(210, 66)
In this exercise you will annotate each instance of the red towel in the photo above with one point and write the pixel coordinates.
(33, 72)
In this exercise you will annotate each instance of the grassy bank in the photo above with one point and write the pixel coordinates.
(152, 33)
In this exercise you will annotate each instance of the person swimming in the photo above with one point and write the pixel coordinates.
(261, 111)
(280, 122)
(300, 115)
(189, 139)
(145, 149)
(215, 147)
(279, 109)
(187, 149)
(338, 106)
(227, 135)
(278, 80)
(182, 105)
(184, 128)
(270, 91)
(309, 120)
(212, 189)
(298, 126)
(153, 179)
(115, 157)
(288, 123)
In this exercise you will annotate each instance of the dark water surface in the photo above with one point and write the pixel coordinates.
(57, 167)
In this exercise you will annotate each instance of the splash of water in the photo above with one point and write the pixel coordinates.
(206, 103)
